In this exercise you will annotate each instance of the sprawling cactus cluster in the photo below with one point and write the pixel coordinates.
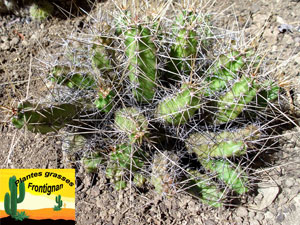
(149, 92)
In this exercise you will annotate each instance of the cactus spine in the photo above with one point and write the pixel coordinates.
(11, 200)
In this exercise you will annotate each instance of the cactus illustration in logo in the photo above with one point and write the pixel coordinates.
(11, 200)
(59, 203)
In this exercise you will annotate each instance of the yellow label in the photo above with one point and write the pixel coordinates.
(49, 194)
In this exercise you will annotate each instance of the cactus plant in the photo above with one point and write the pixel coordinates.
(11, 200)
(122, 74)
(233, 102)
(63, 75)
(163, 172)
(231, 174)
(184, 50)
(180, 108)
(142, 62)
(42, 120)
(201, 186)
(59, 203)
(224, 144)
(132, 122)
(225, 69)
(41, 10)
(105, 100)
(91, 163)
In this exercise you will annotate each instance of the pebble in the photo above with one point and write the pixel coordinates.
(254, 222)
(289, 182)
(280, 217)
(4, 38)
(269, 215)
(5, 46)
(99, 203)
(14, 41)
(241, 212)
(25, 43)
(287, 39)
(210, 222)
(251, 214)
(95, 191)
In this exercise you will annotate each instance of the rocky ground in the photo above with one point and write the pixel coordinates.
(25, 43)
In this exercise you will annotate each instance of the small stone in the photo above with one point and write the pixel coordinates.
(285, 28)
(112, 211)
(95, 191)
(289, 182)
(292, 207)
(259, 216)
(5, 46)
(280, 217)
(254, 222)
(241, 212)
(269, 215)
(178, 215)
(14, 41)
(25, 43)
(209, 222)
(297, 59)
(287, 39)
(280, 20)
(4, 38)
(99, 202)
(251, 214)
(103, 214)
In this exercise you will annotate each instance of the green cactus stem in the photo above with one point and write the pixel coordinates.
(229, 173)
(180, 108)
(78, 79)
(269, 93)
(119, 185)
(203, 187)
(101, 58)
(139, 180)
(105, 100)
(91, 163)
(11, 200)
(59, 203)
(127, 157)
(224, 70)
(38, 119)
(184, 50)
(224, 144)
(142, 62)
(233, 102)
(163, 172)
(41, 10)
(132, 122)
(116, 175)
